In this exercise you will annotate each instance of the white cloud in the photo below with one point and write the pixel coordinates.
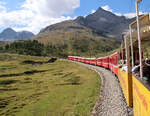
(118, 14)
(131, 15)
(2, 6)
(36, 14)
(127, 15)
(54, 8)
(93, 11)
(107, 8)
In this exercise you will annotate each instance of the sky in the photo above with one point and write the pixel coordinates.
(34, 15)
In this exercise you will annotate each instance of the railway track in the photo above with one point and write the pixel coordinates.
(111, 101)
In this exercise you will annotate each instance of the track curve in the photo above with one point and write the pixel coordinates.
(111, 101)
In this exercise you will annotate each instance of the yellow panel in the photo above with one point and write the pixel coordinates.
(126, 84)
(141, 99)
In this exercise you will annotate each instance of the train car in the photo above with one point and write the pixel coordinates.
(113, 63)
(99, 62)
(69, 57)
(76, 58)
(72, 58)
(87, 60)
(79, 59)
(105, 62)
(93, 61)
(82, 60)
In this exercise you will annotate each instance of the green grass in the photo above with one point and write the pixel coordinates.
(62, 89)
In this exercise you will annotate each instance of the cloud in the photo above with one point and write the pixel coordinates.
(127, 15)
(93, 11)
(53, 8)
(2, 6)
(131, 15)
(107, 8)
(36, 14)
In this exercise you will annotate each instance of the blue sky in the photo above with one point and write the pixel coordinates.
(33, 15)
(119, 6)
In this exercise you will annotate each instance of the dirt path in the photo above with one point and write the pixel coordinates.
(111, 101)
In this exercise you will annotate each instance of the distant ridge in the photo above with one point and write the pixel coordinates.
(10, 35)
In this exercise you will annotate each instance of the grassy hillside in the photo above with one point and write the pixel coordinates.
(54, 89)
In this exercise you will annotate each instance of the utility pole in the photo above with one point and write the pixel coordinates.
(131, 43)
(122, 48)
(139, 38)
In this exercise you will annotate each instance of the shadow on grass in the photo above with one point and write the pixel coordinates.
(25, 73)
(68, 74)
(75, 80)
(6, 67)
(8, 89)
(3, 103)
(39, 62)
(7, 82)
(69, 84)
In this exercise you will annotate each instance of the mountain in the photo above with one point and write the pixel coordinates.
(106, 23)
(11, 35)
(92, 35)
(72, 38)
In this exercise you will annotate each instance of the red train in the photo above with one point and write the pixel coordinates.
(109, 62)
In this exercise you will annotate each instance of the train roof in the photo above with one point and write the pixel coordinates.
(114, 54)
(144, 19)
(103, 57)
(144, 30)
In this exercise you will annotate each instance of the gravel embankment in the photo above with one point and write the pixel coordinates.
(111, 101)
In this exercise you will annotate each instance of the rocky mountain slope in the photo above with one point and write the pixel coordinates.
(11, 35)
(106, 23)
